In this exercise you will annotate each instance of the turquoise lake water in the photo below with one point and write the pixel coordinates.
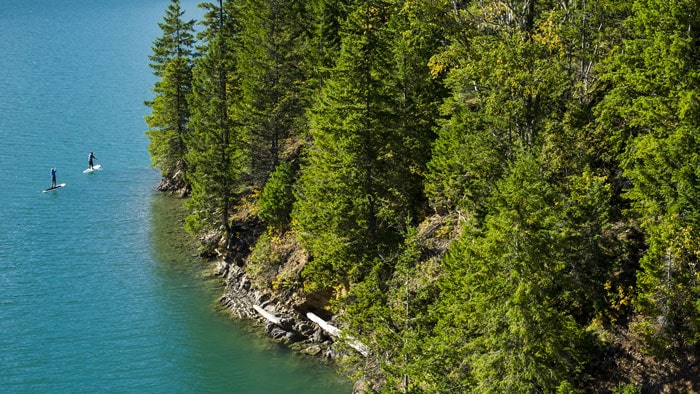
(98, 291)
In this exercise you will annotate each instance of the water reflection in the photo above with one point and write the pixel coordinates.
(210, 351)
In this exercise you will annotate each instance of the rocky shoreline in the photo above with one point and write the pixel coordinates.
(283, 315)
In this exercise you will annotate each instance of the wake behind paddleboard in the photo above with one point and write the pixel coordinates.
(54, 188)
(94, 168)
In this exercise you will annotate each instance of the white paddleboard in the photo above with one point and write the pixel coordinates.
(96, 167)
(54, 188)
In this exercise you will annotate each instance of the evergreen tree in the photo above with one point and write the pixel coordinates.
(347, 212)
(418, 36)
(324, 44)
(514, 160)
(273, 79)
(522, 74)
(277, 198)
(177, 40)
(168, 123)
(652, 108)
(507, 95)
(501, 314)
(216, 145)
(390, 314)
(387, 310)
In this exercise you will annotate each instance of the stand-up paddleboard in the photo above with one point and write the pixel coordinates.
(96, 167)
(54, 188)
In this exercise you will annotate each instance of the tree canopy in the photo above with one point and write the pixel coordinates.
(494, 196)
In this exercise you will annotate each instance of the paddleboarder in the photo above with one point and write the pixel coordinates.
(53, 177)
(91, 157)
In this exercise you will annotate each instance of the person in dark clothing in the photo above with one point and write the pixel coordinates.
(91, 157)
(53, 177)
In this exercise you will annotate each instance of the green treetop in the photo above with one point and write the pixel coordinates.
(168, 122)
(216, 144)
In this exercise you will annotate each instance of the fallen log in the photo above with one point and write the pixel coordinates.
(336, 332)
(267, 315)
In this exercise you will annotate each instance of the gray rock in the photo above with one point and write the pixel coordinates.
(313, 350)
(305, 329)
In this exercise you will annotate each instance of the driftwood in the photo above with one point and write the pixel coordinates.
(267, 315)
(336, 332)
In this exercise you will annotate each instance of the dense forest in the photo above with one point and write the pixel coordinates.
(493, 196)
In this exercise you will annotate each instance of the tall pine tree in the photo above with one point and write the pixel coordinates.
(653, 109)
(418, 35)
(216, 145)
(347, 213)
(504, 324)
(172, 59)
(273, 80)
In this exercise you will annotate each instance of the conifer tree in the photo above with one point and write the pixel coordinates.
(509, 160)
(652, 108)
(390, 314)
(347, 212)
(177, 40)
(507, 94)
(216, 145)
(522, 75)
(387, 310)
(273, 78)
(277, 198)
(501, 313)
(418, 35)
(173, 55)
(324, 45)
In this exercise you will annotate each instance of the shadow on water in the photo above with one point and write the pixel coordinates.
(212, 351)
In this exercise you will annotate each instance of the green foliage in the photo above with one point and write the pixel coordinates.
(585, 247)
(389, 310)
(510, 89)
(177, 41)
(347, 206)
(656, 86)
(169, 118)
(460, 181)
(562, 137)
(168, 123)
(216, 146)
(417, 37)
(272, 69)
(276, 199)
(501, 295)
(324, 43)
(371, 129)
(264, 261)
(629, 388)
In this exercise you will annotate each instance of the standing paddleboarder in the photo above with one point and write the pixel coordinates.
(53, 177)
(91, 157)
